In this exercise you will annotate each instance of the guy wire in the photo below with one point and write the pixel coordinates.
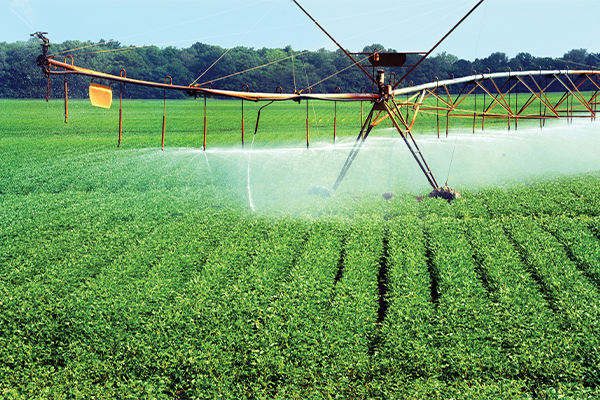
(294, 70)
(244, 35)
(212, 65)
(340, 71)
(252, 69)
(481, 28)
(452, 158)
(576, 63)
(84, 47)
(292, 50)
(111, 50)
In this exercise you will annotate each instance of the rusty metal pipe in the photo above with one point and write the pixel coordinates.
(66, 101)
(122, 73)
(162, 145)
(437, 104)
(337, 90)
(197, 90)
(67, 91)
(258, 116)
(205, 127)
(307, 127)
(243, 127)
(362, 136)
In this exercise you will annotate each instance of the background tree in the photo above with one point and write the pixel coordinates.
(22, 78)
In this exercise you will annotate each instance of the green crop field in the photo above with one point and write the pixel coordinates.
(136, 273)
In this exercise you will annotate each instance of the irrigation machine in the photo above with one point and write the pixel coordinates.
(391, 100)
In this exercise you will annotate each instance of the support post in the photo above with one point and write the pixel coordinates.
(337, 90)
(123, 73)
(517, 106)
(509, 109)
(420, 159)
(484, 107)
(307, 127)
(475, 110)
(335, 125)
(120, 114)
(205, 127)
(66, 101)
(66, 90)
(244, 86)
(540, 99)
(162, 145)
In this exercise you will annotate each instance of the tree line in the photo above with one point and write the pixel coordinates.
(287, 68)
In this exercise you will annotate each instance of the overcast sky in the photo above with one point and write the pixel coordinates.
(540, 27)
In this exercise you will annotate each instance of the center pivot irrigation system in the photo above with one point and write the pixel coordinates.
(388, 100)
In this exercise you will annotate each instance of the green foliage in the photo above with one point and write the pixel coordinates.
(579, 242)
(141, 274)
(566, 287)
(406, 352)
(467, 333)
(530, 329)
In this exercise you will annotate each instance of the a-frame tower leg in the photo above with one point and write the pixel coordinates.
(371, 122)
(395, 114)
(362, 136)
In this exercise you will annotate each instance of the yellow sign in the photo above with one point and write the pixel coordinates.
(100, 95)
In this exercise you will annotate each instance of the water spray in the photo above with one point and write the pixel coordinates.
(249, 154)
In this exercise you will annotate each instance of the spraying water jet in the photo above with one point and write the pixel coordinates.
(385, 97)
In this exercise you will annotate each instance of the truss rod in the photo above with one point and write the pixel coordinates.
(369, 124)
(420, 159)
(336, 43)
(362, 136)
(436, 45)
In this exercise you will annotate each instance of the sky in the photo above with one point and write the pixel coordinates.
(544, 28)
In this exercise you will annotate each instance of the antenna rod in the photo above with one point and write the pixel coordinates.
(438, 43)
(334, 41)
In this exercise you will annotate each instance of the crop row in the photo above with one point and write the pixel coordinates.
(232, 303)
(463, 306)
(467, 335)
(303, 308)
(83, 307)
(594, 224)
(405, 350)
(249, 307)
(350, 332)
(530, 330)
(549, 198)
(580, 243)
(566, 287)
